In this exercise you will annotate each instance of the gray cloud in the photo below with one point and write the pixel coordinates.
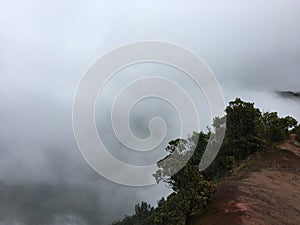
(289, 94)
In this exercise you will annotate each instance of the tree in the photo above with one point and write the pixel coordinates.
(243, 127)
(143, 209)
(246, 129)
(191, 190)
(296, 130)
(277, 128)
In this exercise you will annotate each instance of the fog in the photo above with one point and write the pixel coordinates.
(253, 48)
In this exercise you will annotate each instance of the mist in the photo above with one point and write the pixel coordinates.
(253, 48)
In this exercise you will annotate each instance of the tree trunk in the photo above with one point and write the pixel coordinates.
(188, 218)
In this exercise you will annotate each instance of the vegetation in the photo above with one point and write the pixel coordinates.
(247, 131)
(296, 130)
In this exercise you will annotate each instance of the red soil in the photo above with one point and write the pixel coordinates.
(265, 193)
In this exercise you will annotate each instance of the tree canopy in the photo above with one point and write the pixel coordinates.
(247, 131)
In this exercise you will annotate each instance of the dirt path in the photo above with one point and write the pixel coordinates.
(266, 193)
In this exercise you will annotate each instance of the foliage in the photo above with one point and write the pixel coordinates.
(296, 130)
(247, 131)
(277, 128)
(141, 217)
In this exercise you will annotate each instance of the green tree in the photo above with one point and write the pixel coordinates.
(243, 128)
(246, 130)
(277, 128)
(191, 190)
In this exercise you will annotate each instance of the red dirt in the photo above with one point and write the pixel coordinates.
(265, 193)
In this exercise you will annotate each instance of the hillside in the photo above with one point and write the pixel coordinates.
(254, 178)
(266, 192)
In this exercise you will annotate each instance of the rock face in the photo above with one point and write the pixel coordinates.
(267, 192)
(293, 137)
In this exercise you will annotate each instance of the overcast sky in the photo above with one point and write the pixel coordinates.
(253, 47)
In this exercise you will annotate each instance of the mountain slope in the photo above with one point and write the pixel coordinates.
(266, 192)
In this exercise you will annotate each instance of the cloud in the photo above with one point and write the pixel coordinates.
(289, 94)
